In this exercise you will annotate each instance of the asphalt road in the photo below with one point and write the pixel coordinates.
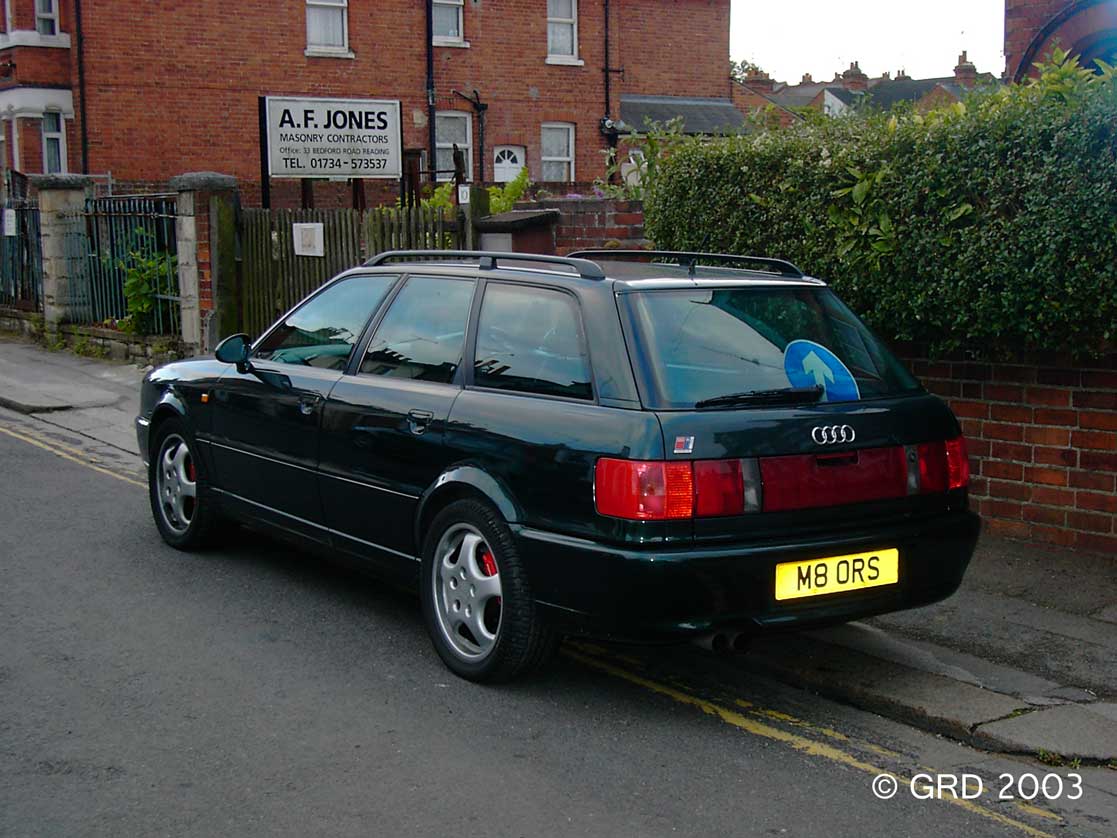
(253, 690)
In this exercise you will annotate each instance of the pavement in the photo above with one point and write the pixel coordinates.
(1021, 661)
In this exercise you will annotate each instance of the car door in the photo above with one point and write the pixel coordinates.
(383, 424)
(266, 421)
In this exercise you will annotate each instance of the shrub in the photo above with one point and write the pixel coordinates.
(990, 224)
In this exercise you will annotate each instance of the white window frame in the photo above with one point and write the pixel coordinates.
(569, 126)
(468, 148)
(59, 135)
(326, 50)
(52, 16)
(449, 41)
(573, 58)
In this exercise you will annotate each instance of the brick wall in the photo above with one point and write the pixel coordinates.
(589, 222)
(1043, 444)
(176, 89)
(1042, 432)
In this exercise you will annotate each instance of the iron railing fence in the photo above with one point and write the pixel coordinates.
(123, 260)
(21, 257)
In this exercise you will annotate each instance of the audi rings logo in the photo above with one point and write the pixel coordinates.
(832, 434)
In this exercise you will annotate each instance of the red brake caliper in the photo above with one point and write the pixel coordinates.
(488, 564)
(191, 475)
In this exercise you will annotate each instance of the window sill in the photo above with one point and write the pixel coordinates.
(565, 60)
(326, 52)
(450, 42)
(31, 38)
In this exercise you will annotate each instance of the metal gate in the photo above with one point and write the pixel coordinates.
(21, 259)
(123, 259)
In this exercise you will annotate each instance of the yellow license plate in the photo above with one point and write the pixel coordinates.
(836, 574)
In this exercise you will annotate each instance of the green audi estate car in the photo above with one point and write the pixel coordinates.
(642, 446)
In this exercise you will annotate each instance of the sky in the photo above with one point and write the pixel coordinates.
(790, 37)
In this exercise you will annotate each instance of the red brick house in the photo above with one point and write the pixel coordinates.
(1086, 28)
(147, 91)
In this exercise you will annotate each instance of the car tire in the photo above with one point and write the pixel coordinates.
(461, 587)
(183, 509)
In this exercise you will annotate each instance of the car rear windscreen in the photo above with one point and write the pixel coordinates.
(693, 345)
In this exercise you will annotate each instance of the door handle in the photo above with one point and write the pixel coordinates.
(307, 404)
(419, 420)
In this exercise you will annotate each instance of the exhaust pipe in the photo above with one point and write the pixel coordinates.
(723, 642)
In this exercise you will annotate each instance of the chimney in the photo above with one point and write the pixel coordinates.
(759, 81)
(806, 79)
(886, 75)
(902, 75)
(965, 73)
(854, 79)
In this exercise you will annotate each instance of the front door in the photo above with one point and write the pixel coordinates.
(266, 422)
(383, 426)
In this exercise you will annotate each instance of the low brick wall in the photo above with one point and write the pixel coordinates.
(595, 222)
(1043, 444)
(96, 342)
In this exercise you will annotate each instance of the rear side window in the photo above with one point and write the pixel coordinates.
(422, 335)
(529, 340)
(702, 344)
(323, 330)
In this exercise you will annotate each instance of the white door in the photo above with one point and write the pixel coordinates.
(507, 162)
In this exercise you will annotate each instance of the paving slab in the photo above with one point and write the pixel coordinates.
(1073, 731)
(926, 699)
(33, 380)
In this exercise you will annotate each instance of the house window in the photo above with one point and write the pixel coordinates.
(54, 144)
(558, 152)
(562, 29)
(448, 21)
(327, 26)
(46, 17)
(452, 128)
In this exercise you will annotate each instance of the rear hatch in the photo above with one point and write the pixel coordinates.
(791, 416)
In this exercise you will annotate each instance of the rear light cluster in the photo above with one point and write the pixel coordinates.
(943, 465)
(654, 490)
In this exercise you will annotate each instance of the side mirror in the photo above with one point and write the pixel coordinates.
(234, 350)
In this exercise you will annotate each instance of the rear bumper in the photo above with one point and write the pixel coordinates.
(649, 595)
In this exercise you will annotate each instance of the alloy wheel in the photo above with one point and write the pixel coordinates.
(467, 592)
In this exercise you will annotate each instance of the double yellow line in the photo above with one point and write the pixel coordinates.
(66, 452)
(737, 719)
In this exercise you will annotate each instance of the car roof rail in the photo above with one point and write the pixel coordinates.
(489, 260)
(689, 260)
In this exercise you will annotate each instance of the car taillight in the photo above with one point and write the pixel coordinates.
(957, 463)
(653, 490)
(943, 465)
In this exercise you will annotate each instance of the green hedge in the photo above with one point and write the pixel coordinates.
(990, 226)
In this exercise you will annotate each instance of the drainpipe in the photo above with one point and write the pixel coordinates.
(611, 134)
(432, 158)
(479, 108)
(81, 88)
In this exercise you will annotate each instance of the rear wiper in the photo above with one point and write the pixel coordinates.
(787, 395)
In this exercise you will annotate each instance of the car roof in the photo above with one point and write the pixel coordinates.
(623, 270)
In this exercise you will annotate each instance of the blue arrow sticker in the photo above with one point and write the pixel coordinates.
(808, 364)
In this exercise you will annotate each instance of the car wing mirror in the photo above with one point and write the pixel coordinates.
(235, 349)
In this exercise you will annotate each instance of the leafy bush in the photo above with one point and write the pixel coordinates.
(990, 224)
(148, 271)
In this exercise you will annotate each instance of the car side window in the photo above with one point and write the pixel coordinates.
(423, 332)
(530, 340)
(323, 331)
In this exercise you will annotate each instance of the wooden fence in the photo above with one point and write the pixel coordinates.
(273, 278)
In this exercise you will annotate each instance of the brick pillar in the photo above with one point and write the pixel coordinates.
(206, 230)
(61, 204)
